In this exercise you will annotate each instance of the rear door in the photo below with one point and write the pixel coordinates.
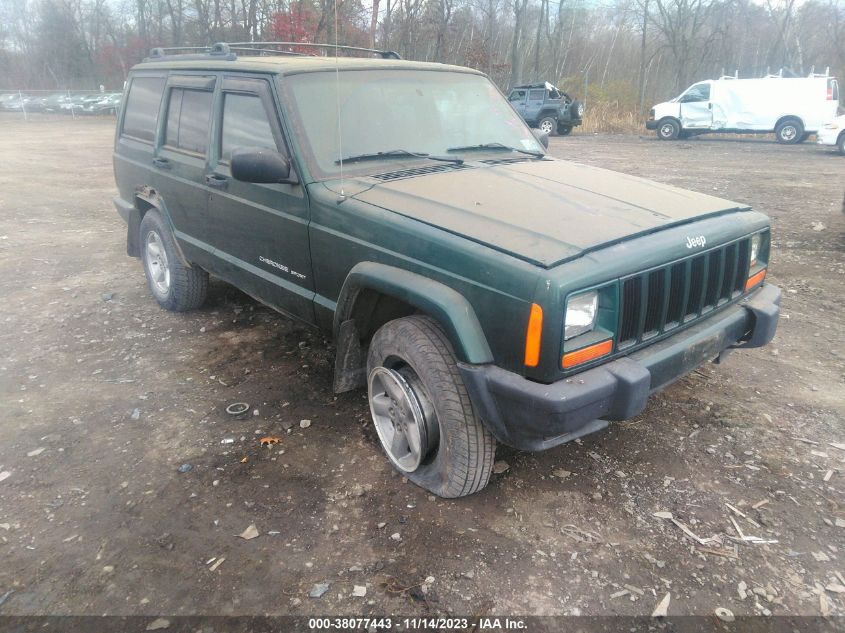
(181, 157)
(536, 98)
(696, 107)
(259, 231)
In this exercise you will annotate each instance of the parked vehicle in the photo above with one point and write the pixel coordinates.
(53, 103)
(478, 288)
(17, 103)
(105, 104)
(545, 107)
(7, 97)
(833, 133)
(791, 107)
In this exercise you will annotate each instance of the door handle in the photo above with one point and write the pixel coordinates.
(161, 163)
(220, 182)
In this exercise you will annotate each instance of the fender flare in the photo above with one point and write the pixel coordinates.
(151, 197)
(444, 304)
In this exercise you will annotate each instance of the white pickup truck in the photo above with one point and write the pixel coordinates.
(791, 107)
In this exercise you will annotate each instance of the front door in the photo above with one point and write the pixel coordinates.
(696, 108)
(259, 231)
(518, 98)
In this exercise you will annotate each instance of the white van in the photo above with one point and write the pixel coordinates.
(791, 107)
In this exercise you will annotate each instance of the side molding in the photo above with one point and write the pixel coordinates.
(445, 305)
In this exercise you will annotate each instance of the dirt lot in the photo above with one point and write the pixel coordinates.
(104, 396)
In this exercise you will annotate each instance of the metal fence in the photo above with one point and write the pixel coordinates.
(74, 103)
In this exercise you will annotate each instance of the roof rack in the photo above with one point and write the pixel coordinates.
(326, 47)
(226, 51)
(187, 53)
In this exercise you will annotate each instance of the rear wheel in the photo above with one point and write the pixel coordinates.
(422, 412)
(841, 144)
(789, 131)
(668, 130)
(174, 285)
(547, 125)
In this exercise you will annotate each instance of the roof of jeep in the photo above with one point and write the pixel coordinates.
(291, 65)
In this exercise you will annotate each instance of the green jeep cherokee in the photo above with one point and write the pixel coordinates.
(480, 289)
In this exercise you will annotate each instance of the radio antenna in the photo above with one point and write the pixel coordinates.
(337, 94)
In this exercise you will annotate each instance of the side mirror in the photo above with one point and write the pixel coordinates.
(542, 137)
(260, 165)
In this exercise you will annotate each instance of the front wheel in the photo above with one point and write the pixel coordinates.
(174, 285)
(564, 130)
(422, 412)
(841, 144)
(668, 130)
(547, 125)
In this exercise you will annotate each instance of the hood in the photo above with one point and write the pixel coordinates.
(542, 211)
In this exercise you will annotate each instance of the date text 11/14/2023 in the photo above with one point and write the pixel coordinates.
(418, 624)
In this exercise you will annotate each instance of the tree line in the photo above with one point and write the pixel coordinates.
(630, 52)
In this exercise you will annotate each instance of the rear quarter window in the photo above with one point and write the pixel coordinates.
(142, 105)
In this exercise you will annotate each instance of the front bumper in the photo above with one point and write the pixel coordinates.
(651, 124)
(534, 416)
(827, 137)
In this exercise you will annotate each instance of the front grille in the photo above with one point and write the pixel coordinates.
(661, 299)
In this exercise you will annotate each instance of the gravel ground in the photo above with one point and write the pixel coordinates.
(105, 396)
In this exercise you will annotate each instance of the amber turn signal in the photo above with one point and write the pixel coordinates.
(585, 354)
(755, 279)
(532, 336)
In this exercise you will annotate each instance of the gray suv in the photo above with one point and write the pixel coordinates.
(546, 108)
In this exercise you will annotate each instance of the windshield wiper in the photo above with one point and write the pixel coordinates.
(397, 153)
(495, 145)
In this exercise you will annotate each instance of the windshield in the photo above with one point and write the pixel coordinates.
(400, 113)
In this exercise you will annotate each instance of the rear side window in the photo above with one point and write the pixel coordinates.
(536, 95)
(245, 124)
(142, 106)
(188, 118)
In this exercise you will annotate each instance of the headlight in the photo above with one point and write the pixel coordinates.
(581, 312)
(755, 249)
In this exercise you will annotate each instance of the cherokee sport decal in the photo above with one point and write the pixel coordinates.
(281, 267)
(693, 242)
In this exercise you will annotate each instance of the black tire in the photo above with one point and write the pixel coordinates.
(668, 130)
(841, 143)
(462, 461)
(548, 125)
(789, 131)
(564, 130)
(187, 286)
(576, 110)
